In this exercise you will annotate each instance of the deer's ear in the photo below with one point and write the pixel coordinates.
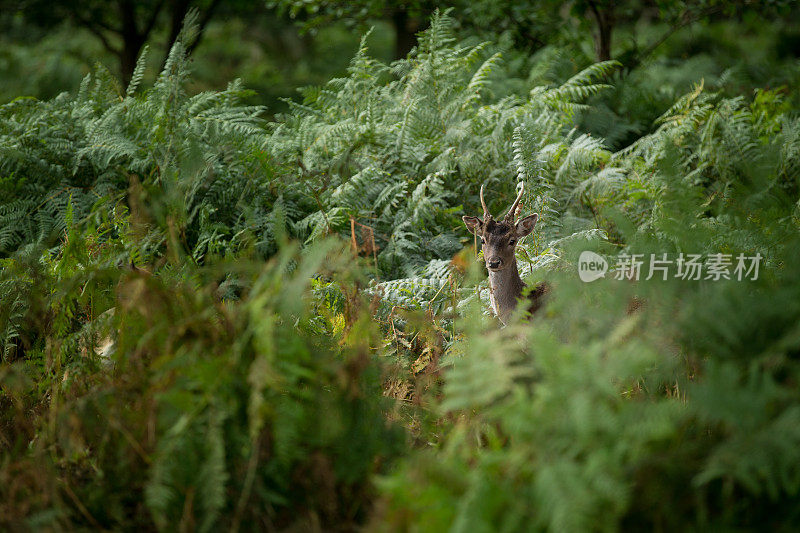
(525, 225)
(474, 225)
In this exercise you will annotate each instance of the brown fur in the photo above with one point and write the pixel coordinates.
(499, 241)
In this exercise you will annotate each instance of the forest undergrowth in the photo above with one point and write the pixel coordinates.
(210, 321)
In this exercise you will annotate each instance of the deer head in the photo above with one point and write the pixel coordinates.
(499, 239)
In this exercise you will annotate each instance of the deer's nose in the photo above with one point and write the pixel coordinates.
(495, 262)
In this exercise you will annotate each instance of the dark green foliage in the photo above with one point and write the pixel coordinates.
(193, 160)
(205, 412)
(177, 391)
(401, 147)
(188, 343)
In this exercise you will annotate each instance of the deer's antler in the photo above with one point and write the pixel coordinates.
(487, 216)
(511, 215)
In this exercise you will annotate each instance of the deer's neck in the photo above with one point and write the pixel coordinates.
(506, 288)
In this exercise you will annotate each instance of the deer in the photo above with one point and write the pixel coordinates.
(499, 240)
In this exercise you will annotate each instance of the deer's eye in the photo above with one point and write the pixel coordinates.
(512, 242)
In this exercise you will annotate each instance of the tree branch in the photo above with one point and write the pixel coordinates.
(685, 19)
(207, 16)
(150, 24)
(96, 29)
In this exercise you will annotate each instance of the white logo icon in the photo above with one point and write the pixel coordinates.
(591, 266)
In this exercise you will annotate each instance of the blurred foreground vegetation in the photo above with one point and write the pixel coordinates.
(213, 318)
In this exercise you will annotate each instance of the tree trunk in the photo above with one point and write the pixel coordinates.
(405, 30)
(604, 17)
(603, 44)
(133, 30)
(132, 41)
(178, 10)
(127, 59)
